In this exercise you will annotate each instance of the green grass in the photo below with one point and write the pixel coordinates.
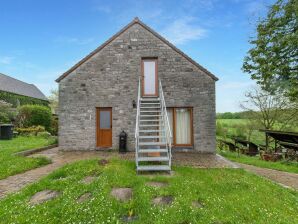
(291, 167)
(228, 196)
(11, 164)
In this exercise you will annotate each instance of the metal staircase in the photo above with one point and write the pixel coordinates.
(153, 133)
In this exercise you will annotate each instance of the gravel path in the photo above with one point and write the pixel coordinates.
(283, 178)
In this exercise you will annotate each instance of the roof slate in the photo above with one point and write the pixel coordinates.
(12, 85)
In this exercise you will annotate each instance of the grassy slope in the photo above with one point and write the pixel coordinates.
(291, 167)
(11, 164)
(228, 196)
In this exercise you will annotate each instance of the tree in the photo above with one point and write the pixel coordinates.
(271, 111)
(53, 98)
(273, 59)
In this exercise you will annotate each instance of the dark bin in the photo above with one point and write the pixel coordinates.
(122, 142)
(6, 131)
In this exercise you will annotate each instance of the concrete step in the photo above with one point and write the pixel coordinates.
(149, 125)
(153, 159)
(150, 115)
(156, 120)
(154, 168)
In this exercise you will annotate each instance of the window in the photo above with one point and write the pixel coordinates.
(181, 125)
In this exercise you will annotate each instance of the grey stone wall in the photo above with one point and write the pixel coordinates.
(110, 79)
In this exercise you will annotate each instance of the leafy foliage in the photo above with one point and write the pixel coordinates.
(17, 100)
(53, 98)
(33, 115)
(6, 112)
(34, 130)
(273, 60)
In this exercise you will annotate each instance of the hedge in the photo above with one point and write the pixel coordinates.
(13, 99)
(34, 115)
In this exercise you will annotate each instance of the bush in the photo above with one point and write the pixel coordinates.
(4, 118)
(54, 126)
(44, 134)
(34, 130)
(34, 115)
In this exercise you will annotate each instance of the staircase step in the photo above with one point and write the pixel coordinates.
(153, 115)
(149, 99)
(150, 125)
(154, 168)
(153, 158)
(150, 107)
(156, 120)
(149, 103)
(151, 131)
(152, 150)
(151, 136)
(152, 143)
(150, 111)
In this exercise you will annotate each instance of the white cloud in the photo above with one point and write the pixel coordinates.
(74, 40)
(182, 30)
(6, 60)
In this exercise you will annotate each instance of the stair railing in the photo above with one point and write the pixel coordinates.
(164, 113)
(137, 122)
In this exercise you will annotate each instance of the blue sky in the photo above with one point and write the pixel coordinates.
(40, 40)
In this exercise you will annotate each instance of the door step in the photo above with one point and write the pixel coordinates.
(154, 168)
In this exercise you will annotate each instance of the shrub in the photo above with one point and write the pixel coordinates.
(44, 134)
(54, 126)
(34, 115)
(34, 130)
(4, 118)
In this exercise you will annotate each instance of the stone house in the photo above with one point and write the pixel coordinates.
(98, 96)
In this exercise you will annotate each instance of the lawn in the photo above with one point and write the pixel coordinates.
(291, 167)
(226, 196)
(11, 164)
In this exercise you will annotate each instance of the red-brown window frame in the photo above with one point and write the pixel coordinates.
(174, 125)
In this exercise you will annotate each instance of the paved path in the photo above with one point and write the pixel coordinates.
(284, 178)
(60, 158)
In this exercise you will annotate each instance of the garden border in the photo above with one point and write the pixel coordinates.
(32, 151)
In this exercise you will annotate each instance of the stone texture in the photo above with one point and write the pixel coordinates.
(88, 180)
(103, 162)
(162, 200)
(197, 204)
(110, 79)
(43, 196)
(122, 194)
(156, 184)
(84, 197)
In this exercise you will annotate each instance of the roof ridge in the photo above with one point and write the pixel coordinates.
(16, 79)
(136, 20)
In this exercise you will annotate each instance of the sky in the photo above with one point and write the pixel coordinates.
(39, 40)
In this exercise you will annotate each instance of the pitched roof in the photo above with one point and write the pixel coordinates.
(12, 85)
(135, 21)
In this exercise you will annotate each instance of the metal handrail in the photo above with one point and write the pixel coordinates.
(166, 121)
(137, 121)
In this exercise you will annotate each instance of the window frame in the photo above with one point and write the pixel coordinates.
(173, 109)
